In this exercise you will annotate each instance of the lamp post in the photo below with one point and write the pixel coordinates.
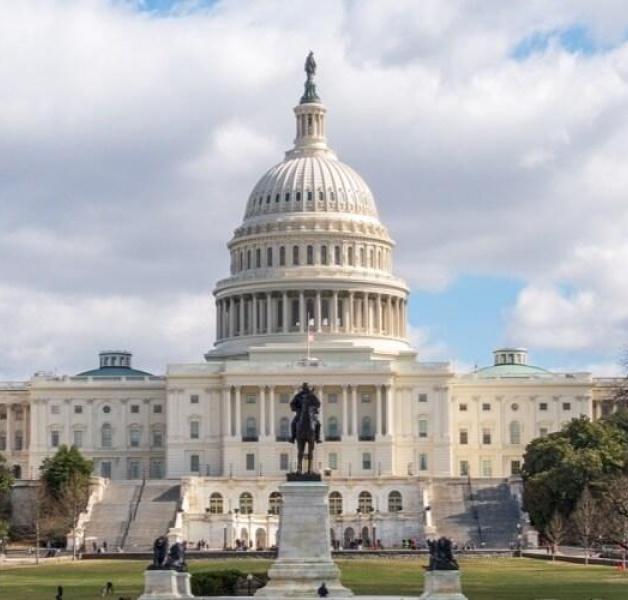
(249, 582)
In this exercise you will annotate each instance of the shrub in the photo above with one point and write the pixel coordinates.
(223, 583)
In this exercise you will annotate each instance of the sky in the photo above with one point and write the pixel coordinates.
(493, 134)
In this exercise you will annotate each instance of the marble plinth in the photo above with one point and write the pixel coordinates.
(442, 585)
(304, 557)
(161, 585)
(184, 585)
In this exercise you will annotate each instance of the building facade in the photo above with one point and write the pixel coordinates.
(311, 296)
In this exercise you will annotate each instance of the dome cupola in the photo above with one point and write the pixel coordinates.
(311, 256)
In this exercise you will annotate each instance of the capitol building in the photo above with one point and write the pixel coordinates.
(311, 296)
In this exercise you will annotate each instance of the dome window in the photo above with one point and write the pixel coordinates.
(268, 199)
(295, 255)
(298, 196)
(333, 196)
(310, 255)
(309, 196)
(277, 198)
(321, 196)
(258, 258)
(323, 255)
(269, 257)
(282, 256)
(287, 197)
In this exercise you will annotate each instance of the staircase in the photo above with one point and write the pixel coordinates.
(482, 512)
(153, 515)
(110, 516)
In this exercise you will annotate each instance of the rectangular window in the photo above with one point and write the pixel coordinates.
(3, 441)
(332, 461)
(366, 461)
(423, 462)
(135, 437)
(566, 405)
(283, 461)
(77, 438)
(194, 430)
(78, 409)
(195, 463)
(332, 399)
(543, 406)
(323, 255)
(463, 408)
(284, 399)
(486, 407)
(543, 431)
(486, 437)
(54, 438)
(295, 255)
(269, 257)
(515, 467)
(105, 469)
(422, 428)
(487, 467)
(422, 397)
(158, 439)
(157, 409)
(135, 408)
(250, 462)
(194, 399)
(337, 255)
(19, 441)
(365, 398)
(464, 468)
(250, 399)
(464, 437)
(54, 409)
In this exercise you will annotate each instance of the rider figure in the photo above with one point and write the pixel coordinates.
(297, 404)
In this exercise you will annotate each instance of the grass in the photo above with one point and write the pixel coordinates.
(483, 578)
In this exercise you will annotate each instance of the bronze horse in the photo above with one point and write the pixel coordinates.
(306, 427)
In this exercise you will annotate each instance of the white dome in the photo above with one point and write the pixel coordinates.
(311, 183)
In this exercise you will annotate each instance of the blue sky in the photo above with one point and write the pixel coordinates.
(494, 137)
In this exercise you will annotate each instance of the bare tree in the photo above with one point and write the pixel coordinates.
(586, 521)
(555, 531)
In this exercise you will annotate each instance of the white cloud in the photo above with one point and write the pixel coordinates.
(129, 143)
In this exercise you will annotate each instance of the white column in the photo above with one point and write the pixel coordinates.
(285, 311)
(380, 324)
(351, 313)
(378, 411)
(238, 412)
(269, 313)
(317, 312)
(354, 410)
(389, 316)
(241, 328)
(345, 412)
(231, 317)
(262, 411)
(271, 410)
(333, 313)
(226, 403)
(302, 317)
(390, 415)
(254, 315)
(367, 307)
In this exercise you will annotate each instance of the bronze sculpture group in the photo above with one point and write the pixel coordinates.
(305, 428)
(441, 555)
(164, 559)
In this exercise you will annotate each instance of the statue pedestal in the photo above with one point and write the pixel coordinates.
(442, 585)
(304, 559)
(184, 585)
(162, 584)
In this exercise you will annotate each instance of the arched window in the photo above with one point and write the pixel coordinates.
(335, 503)
(295, 255)
(515, 433)
(365, 502)
(216, 504)
(269, 257)
(284, 428)
(366, 430)
(240, 261)
(350, 255)
(332, 427)
(394, 502)
(248, 259)
(337, 255)
(362, 259)
(371, 262)
(282, 256)
(105, 436)
(274, 503)
(323, 255)
(310, 255)
(246, 503)
(258, 257)
(251, 427)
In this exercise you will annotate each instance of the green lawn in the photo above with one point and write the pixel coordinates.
(483, 579)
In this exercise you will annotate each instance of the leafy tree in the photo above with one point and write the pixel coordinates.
(6, 481)
(66, 477)
(557, 468)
